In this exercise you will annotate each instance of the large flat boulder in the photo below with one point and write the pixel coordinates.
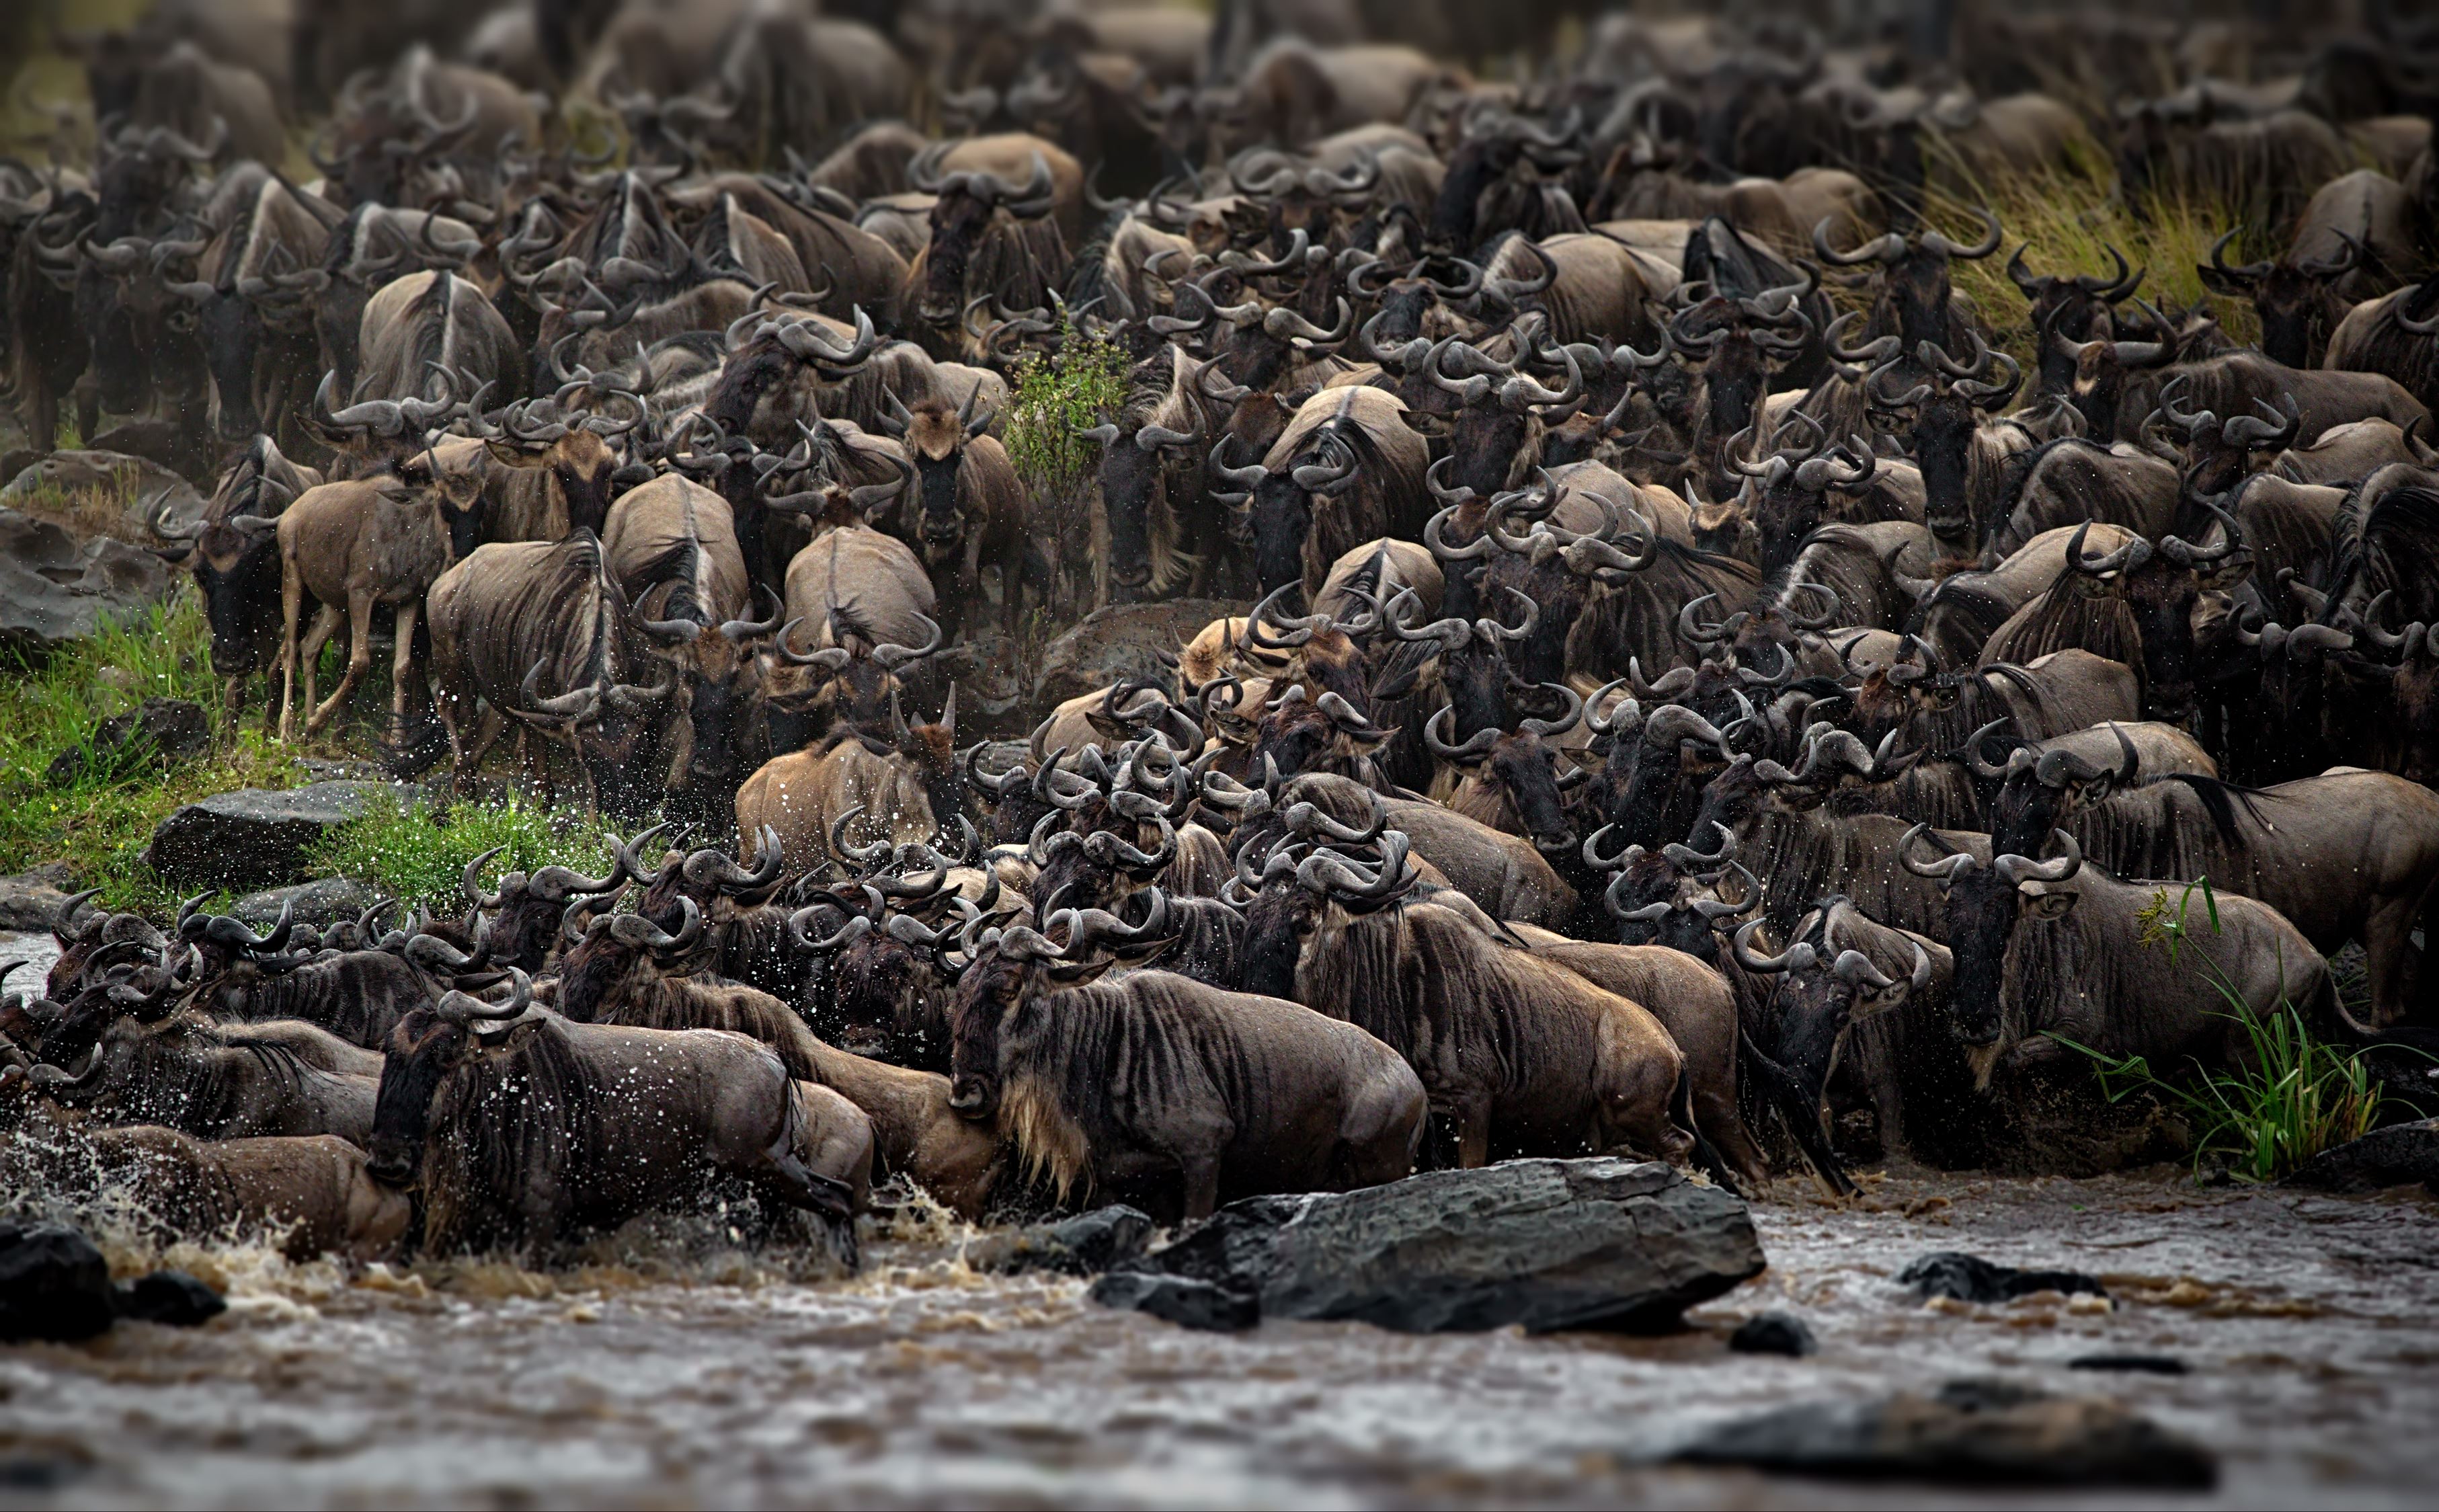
(319, 903)
(136, 485)
(1549, 1244)
(254, 838)
(1121, 642)
(159, 733)
(33, 900)
(54, 591)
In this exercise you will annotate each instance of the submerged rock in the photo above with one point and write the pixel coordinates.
(1976, 1431)
(1082, 1245)
(31, 900)
(1549, 1244)
(1772, 1333)
(1971, 1278)
(252, 837)
(171, 1297)
(1181, 1299)
(2399, 1155)
(54, 1284)
(2137, 1364)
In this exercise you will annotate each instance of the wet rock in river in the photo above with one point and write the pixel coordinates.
(1082, 1245)
(1549, 1244)
(158, 733)
(2398, 1155)
(1981, 1431)
(1181, 1299)
(1772, 1333)
(2136, 1364)
(246, 839)
(54, 1284)
(31, 900)
(171, 1297)
(1971, 1278)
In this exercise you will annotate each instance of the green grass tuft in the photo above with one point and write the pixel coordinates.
(418, 853)
(100, 821)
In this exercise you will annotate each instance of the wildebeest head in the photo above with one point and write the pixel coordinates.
(2293, 295)
(1943, 416)
(2218, 454)
(1523, 768)
(935, 437)
(1501, 414)
(2102, 363)
(1785, 494)
(526, 911)
(2159, 587)
(1660, 898)
(606, 952)
(1496, 144)
(424, 1047)
(2069, 305)
(852, 681)
(998, 1013)
(1915, 288)
(1984, 905)
(575, 449)
(1290, 890)
(965, 207)
(763, 369)
(1824, 988)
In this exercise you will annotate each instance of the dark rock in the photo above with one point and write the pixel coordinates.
(1121, 642)
(252, 836)
(2398, 1155)
(171, 1297)
(1974, 1431)
(2140, 1364)
(319, 904)
(1772, 1333)
(30, 901)
(159, 732)
(54, 591)
(1549, 1244)
(1082, 1245)
(1970, 1278)
(53, 1283)
(1181, 1299)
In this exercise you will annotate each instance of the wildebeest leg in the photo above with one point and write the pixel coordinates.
(1470, 1111)
(232, 705)
(292, 603)
(1201, 1171)
(403, 670)
(2388, 957)
(307, 655)
(360, 660)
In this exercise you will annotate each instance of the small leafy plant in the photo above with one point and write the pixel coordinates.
(1080, 384)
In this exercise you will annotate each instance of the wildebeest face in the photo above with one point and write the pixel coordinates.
(1129, 474)
(1525, 767)
(2289, 300)
(883, 989)
(237, 575)
(2414, 689)
(118, 362)
(943, 528)
(989, 997)
(764, 367)
(959, 221)
(1734, 800)
(422, 1050)
(1944, 428)
(229, 329)
(1276, 525)
(338, 324)
(1281, 919)
(591, 970)
(1474, 168)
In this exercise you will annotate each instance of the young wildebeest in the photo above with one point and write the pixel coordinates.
(543, 1128)
(1116, 1084)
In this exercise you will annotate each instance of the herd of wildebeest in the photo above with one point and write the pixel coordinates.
(1690, 693)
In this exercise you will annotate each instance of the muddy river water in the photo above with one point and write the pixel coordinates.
(675, 1368)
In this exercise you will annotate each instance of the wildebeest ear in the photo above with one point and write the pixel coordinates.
(2044, 904)
(1080, 973)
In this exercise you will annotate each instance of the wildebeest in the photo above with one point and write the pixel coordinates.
(604, 1123)
(1112, 1085)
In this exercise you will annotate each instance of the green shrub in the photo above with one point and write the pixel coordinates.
(418, 853)
(1079, 385)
